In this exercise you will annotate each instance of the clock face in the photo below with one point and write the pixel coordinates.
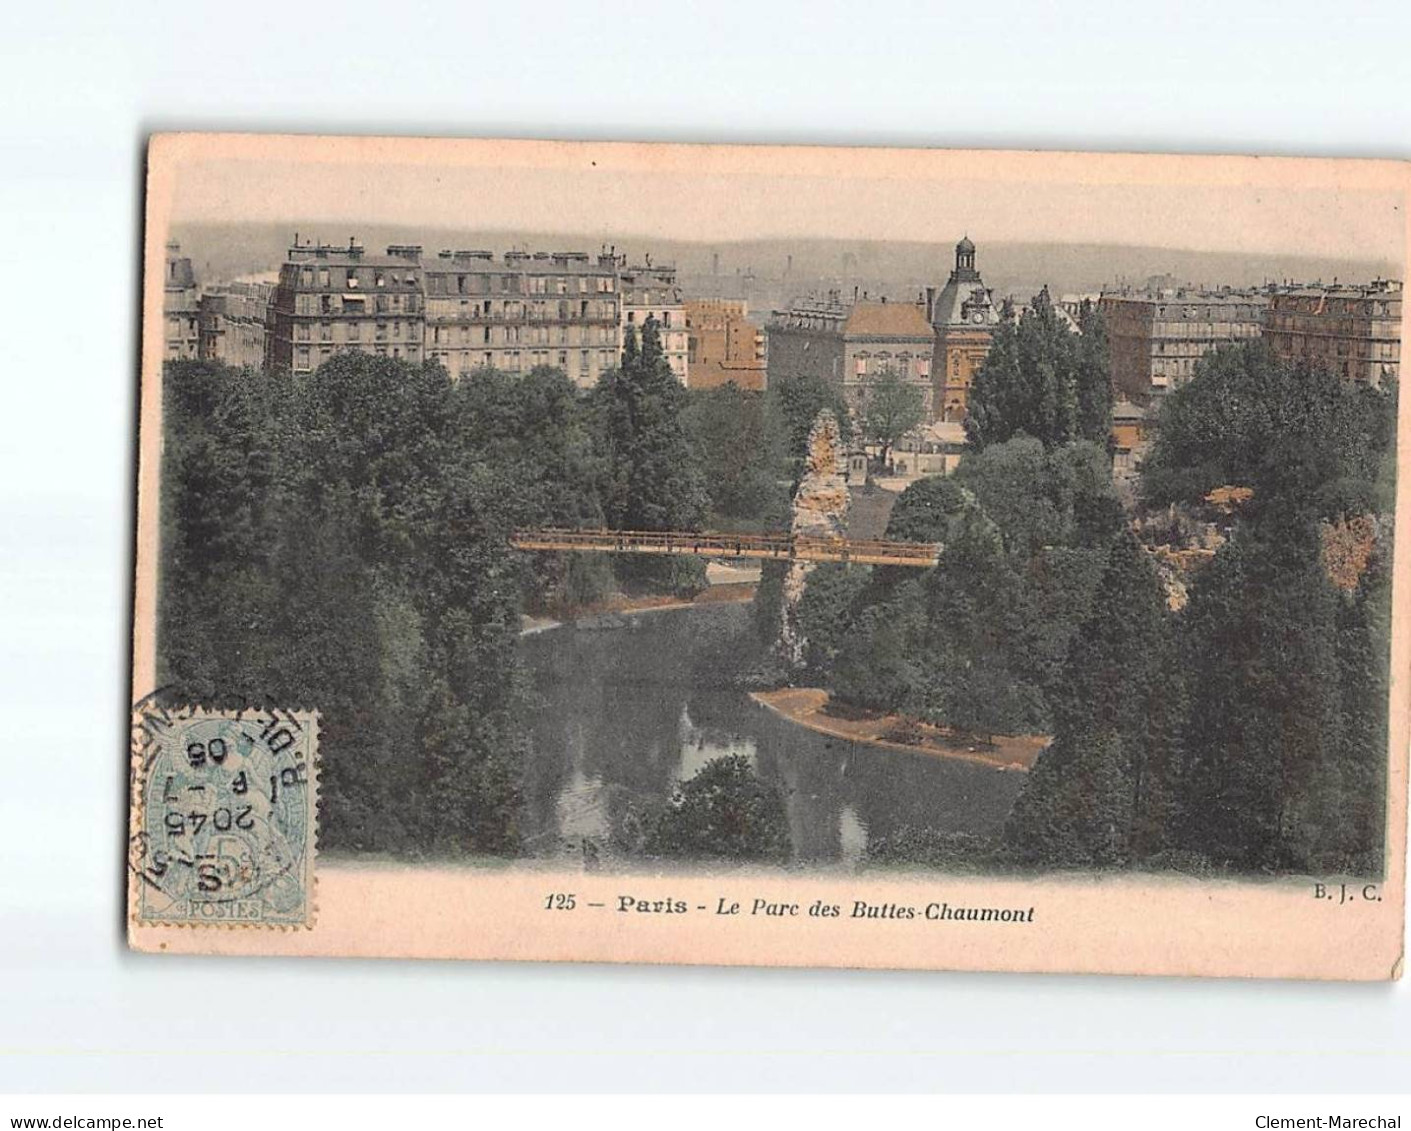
(977, 317)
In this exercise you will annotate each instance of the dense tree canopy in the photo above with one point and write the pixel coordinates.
(650, 478)
(1294, 434)
(1042, 379)
(340, 539)
(796, 401)
(978, 643)
(329, 541)
(723, 812)
(740, 447)
(1105, 792)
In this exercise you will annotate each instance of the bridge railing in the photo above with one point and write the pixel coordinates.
(774, 546)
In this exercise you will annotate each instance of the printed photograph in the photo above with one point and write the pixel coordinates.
(679, 521)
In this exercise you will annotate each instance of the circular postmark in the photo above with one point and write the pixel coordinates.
(224, 824)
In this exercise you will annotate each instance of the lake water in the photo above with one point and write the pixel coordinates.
(621, 721)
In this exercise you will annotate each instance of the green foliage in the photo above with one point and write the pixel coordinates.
(891, 408)
(649, 479)
(533, 429)
(1353, 815)
(879, 665)
(825, 612)
(795, 403)
(724, 812)
(974, 678)
(980, 644)
(1286, 739)
(1104, 793)
(1262, 648)
(740, 447)
(925, 511)
(330, 541)
(1041, 497)
(768, 604)
(1299, 436)
(1041, 379)
(931, 848)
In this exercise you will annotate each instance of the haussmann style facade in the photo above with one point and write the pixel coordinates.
(332, 299)
(1155, 339)
(522, 311)
(1355, 331)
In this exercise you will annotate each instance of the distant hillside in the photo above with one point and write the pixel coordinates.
(764, 269)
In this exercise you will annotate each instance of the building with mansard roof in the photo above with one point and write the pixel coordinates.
(850, 344)
(524, 310)
(1354, 330)
(331, 300)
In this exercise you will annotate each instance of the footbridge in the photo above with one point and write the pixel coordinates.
(705, 544)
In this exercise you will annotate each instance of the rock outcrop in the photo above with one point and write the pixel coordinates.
(820, 510)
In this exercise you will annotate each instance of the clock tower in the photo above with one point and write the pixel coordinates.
(964, 316)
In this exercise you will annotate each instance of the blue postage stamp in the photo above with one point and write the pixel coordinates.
(224, 832)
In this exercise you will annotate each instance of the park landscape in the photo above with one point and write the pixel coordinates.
(1187, 674)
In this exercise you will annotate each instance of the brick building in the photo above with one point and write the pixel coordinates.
(723, 345)
(1156, 337)
(848, 344)
(334, 299)
(180, 300)
(1355, 331)
(525, 310)
(233, 321)
(652, 292)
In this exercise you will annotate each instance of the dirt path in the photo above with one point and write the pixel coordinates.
(807, 706)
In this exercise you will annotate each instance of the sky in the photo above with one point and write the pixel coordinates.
(1266, 205)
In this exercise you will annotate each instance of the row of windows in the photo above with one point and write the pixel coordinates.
(1322, 306)
(514, 361)
(514, 311)
(904, 364)
(1342, 347)
(665, 318)
(351, 278)
(304, 355)
(572, 335)
(353, 331)
(356, 304)
(483, 283)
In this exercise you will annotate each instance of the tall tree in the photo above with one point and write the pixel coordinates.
(740, 449)
(892, 407)
(1093, 377)
(1042, 379)
(1355, 810)
(651, 480)
(795, 402)
(972, 598)
(1261, 647)
(1105, 792)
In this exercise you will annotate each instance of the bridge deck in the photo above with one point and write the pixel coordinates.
(768, 547)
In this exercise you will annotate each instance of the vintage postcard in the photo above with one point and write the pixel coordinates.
(770, 555)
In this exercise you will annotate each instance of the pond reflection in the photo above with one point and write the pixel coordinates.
(620, 722)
